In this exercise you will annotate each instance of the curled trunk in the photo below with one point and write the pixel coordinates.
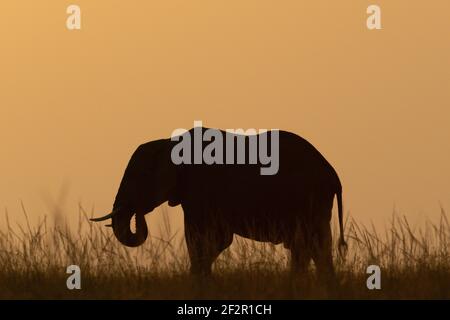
(122, 229)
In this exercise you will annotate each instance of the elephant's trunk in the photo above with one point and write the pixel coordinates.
(121, 227)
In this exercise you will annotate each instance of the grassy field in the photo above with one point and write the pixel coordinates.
(415, 264)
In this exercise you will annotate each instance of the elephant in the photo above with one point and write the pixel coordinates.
(292, 207)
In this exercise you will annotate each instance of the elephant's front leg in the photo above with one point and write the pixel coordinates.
(204, 244)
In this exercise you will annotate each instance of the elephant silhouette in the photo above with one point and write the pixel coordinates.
(293, 206)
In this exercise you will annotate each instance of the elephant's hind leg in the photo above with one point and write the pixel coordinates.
(300, 261)
(322, 253)
(300, 253)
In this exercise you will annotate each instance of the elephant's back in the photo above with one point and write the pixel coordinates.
(300, 157)
(301, 169)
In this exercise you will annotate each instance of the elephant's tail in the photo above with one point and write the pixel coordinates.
(342, 243)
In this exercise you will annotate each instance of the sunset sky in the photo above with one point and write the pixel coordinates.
(75, 104)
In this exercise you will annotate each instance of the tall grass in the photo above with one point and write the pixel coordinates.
(415, 263)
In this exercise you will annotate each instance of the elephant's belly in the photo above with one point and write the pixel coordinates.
(261, 237)
(269, 231)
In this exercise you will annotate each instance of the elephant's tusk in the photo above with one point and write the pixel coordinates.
(108, 216)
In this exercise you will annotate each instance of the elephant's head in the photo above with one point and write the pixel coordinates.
(149, 180)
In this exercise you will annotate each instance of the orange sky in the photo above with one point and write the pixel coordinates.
(75, 104)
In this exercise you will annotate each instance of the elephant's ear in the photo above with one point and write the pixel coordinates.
(174, 197)
(168, 175)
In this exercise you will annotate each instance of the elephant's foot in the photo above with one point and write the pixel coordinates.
(200, 270)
